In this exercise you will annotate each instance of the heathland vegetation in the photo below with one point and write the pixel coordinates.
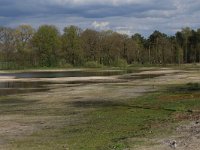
(26, 47)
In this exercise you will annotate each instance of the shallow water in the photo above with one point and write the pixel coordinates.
(141, 76)
(9, 88)
(5, 92)
(13, 87)
(22, 84)
(59, 74)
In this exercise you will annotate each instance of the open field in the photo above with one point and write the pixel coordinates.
(145, 109)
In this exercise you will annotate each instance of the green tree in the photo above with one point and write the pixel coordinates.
(111, 47)
(160, 48)
(7, 46)
(46, 42)
(90, 44)
(177, 51)
(198, 45)
(186, 33)
(71, 46)
(23, 36)
(139, 47)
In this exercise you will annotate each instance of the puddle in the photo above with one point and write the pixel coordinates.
(65, 74)
(9, 88)
(141, 76)
(22, 84)
(5, 92)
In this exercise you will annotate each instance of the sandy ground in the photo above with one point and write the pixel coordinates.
(100, 89)
(187, 137)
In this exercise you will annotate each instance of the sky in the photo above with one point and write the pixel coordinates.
(124, 16)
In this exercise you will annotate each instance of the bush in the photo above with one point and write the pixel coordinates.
(67, 65)
(92, 64)
(9, 66)
(122, 63)
(62, 63)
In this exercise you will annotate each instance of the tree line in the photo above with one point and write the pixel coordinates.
(24, 46)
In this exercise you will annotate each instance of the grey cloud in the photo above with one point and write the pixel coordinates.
(13, 8)
(131, 16)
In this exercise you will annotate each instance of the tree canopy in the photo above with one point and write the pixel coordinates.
(46, 47)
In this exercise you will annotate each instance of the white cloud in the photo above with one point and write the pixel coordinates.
(100, 25)
(124, 30)
(128, 32)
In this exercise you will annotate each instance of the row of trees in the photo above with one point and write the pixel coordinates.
(25, 46)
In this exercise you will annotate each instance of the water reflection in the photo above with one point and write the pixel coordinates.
(9, 88)
(141, 76)
(58, 74)
(22, 84)
(5, 92)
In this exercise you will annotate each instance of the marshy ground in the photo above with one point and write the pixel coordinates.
(144, 109)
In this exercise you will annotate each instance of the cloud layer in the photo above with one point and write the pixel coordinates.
(127, 16)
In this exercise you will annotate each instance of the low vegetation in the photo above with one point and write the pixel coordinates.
(113, 125)
(93, 64)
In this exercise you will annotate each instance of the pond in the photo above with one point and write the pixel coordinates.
(13, 87)
(59, 74)
(18, 87)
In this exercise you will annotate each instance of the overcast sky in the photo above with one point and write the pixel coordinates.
(124, 16)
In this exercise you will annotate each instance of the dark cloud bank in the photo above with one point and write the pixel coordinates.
(127, 16)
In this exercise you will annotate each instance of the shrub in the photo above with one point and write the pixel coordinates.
(62, 63)
(122, 63)
(92, 64)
